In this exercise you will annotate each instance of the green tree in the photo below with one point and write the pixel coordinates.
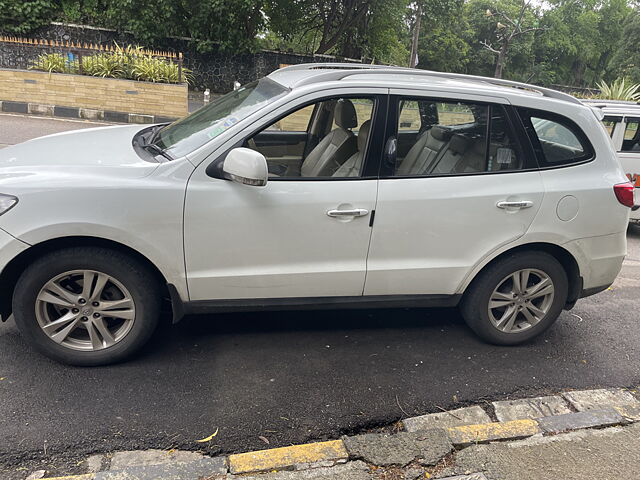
(349, 28)
(579, 41)
(330, 20)
(626, 59)
(227, 24)
(505, 30)
(443, 42)
(20, 17)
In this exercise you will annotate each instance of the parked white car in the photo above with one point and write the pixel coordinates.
(319, 186)
(622, 121)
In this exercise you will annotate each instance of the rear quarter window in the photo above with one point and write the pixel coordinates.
(557, 140)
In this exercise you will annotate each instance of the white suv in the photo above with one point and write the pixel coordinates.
(622, 121)
(319, 186)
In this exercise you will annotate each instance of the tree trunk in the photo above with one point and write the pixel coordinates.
(413, 59)
(330, 40)
(502, 58)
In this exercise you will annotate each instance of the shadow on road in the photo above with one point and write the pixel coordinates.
(315, 320)
(295, 376)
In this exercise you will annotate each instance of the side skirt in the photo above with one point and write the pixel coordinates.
(181, 308)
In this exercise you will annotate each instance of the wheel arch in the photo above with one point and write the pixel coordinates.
(562, 255)
(13, 270)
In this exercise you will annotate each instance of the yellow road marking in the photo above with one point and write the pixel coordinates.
(486, 432)
(278, 458)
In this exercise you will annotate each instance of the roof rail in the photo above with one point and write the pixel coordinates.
(604, 102)
(334, 66)
(340, 71)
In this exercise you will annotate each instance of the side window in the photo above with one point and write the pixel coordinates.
(610, 124)
(364, 109)
(409, 117)
(451, 114)
(296, 122)
(328, 138)
(462, 138)
(631, 141)
(556, 139)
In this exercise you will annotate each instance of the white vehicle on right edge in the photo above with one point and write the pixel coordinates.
(622, 121)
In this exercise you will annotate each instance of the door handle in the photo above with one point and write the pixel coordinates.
(355, 212)
(521, 204)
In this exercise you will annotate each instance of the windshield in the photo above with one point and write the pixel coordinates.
(193, 131)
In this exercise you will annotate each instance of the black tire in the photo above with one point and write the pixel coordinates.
(140, 282)
(475, 303)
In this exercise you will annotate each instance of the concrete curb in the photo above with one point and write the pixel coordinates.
(61, 111)
(427, 439)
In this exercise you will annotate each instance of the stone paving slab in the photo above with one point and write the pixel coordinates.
(121, 460)
(533, 408)
(630, 412)
(350, 471)
(453, 418)
(595, 399)
(399, 449)
(609, 454)
(576, 421)
(203, 468)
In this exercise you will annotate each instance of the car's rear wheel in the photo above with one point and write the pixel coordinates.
(87, 306)
(516, 298)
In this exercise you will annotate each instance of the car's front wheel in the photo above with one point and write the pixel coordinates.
(87, 306)
(516, 298)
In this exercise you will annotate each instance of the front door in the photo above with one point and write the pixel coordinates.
(463, 188)
(306, 233)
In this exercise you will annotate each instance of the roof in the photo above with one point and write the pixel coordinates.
(615, 107)
(311, 73)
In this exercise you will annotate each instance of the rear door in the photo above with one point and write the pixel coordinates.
(465, 188)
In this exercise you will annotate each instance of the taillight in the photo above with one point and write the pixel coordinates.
(624, 193)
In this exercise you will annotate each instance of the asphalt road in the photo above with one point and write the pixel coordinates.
(19, 128)
(296, 376)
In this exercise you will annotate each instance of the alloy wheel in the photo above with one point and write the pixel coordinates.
(521, 300)
(85, 310)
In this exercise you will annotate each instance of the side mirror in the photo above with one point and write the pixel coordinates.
(246, 166)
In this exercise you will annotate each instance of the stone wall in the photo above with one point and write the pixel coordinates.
(215, 70)
(98, 93)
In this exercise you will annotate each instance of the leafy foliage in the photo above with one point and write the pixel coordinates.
(626, 58)
(566, 42)
(126, 63)
(52, 63)
(22, 16)
(619, 89)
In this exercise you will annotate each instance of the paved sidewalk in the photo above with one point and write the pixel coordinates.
(609, 454)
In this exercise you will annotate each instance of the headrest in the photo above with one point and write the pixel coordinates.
(363, 135)
(440, 133)
(345, 114)
(458, 144)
